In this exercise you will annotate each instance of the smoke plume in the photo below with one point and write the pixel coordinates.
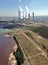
(27, 11)
(21, 11)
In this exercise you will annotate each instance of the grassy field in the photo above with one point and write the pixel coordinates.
(28, 47)
(39, 60)
(43, 30)
(43, 43)
(33, 55)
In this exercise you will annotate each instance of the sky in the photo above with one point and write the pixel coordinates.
(11, 7)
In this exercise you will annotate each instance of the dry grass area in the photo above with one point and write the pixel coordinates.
(35, 25)
(42, 42)
(38, 60)
(27, 46)
(33, 55)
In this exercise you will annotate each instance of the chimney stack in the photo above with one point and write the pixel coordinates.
(33, 16)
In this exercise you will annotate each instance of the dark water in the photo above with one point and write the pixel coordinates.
(6, 47)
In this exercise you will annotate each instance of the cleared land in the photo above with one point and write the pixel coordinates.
(37, 28)
(42, 42)
(41, 30)
(34, 53)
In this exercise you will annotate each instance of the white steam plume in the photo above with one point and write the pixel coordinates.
(20, 8)
(21, 11)
(27, 11)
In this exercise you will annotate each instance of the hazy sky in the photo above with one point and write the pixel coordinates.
(10, 7)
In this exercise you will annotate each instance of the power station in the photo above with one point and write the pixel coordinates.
(25, 15)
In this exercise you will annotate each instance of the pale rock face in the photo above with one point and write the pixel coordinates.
(12, 60)
(15, 48)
